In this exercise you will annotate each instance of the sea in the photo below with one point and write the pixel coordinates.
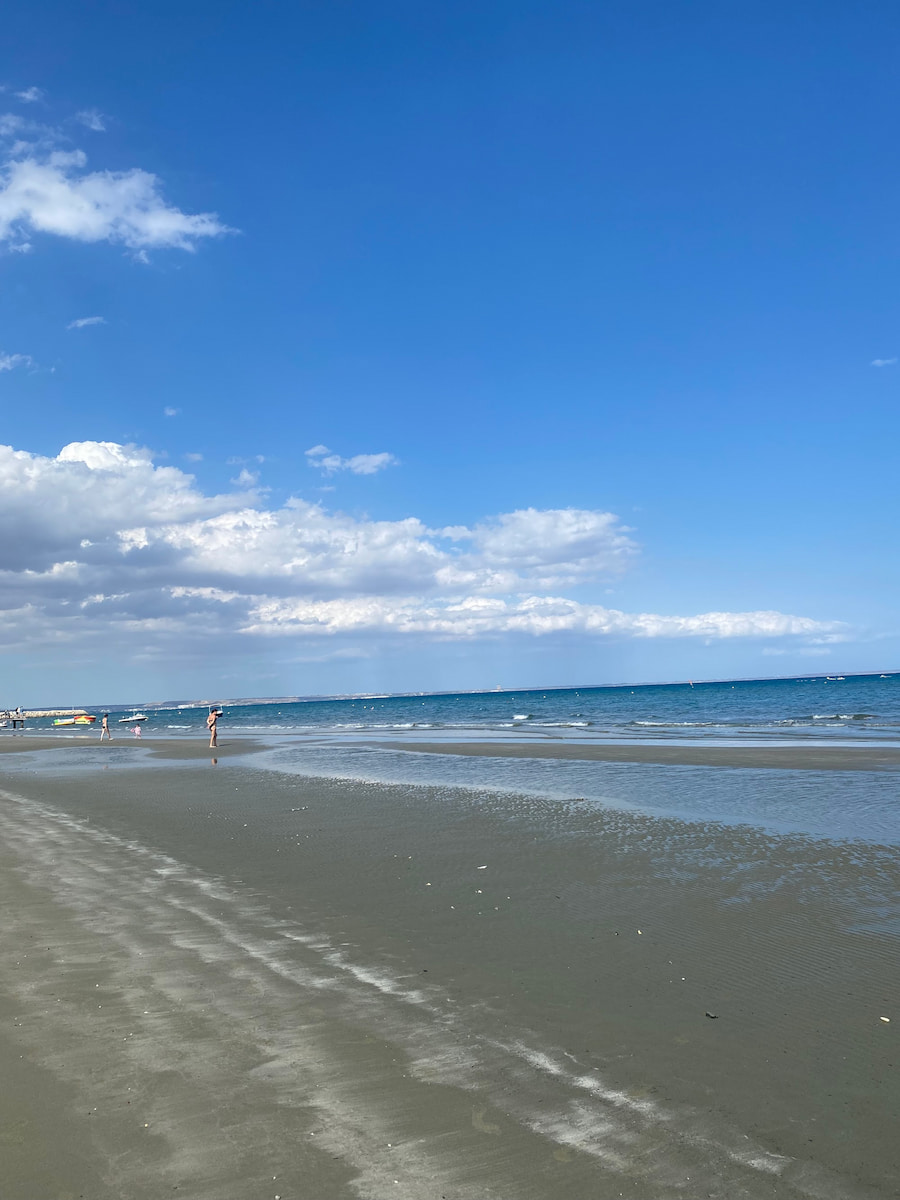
(822, 706)
(373, 739)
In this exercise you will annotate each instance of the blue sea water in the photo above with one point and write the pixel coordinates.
(852, 707)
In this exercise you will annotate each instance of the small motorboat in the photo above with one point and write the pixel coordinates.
(138, 716)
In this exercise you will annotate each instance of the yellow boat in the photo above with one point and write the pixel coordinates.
(84, 720)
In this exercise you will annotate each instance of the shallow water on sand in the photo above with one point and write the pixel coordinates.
(838, 804)
(832, 804)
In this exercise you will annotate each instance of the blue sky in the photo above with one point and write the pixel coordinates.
(578, 306)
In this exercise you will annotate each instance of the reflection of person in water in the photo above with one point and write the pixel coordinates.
(212, 724)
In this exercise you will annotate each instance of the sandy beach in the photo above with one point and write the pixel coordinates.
(221, 982)
(179, 749)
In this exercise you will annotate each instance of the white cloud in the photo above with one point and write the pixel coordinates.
(84, 322)
(193, 457)
(101, 543)
(883, 362)
(479, 616)
(11, 124)
(30, 95)
(54, 193)
(552, 547)
(9, 362)
(171, 412)
(92, 119)
(246, 479)
(359, 464)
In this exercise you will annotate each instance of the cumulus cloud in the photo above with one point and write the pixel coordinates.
(84, 322)
(46, 187)
(883, 362)
(360, 464)
(57, 195)
(30, 95)
(9, 362)
(100, 542)
(549, 547)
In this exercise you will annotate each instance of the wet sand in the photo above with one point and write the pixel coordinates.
(223, 982)
(181, 749)
(814, 757)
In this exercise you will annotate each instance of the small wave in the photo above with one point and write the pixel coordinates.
(521, 716)
(396, 725)
(179, 727)
(843, 717)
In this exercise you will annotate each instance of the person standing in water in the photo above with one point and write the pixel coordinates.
(104, 727)
(212, 723)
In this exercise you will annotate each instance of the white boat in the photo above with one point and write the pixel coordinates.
(137, 716)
